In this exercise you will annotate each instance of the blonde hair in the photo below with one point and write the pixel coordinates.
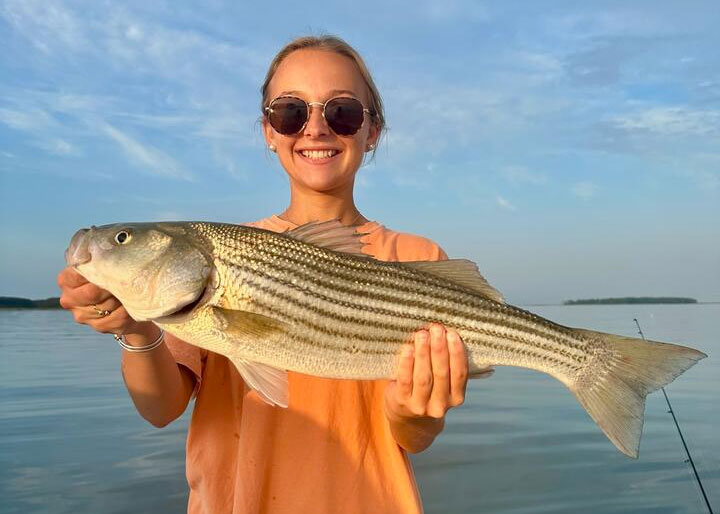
(337, 45)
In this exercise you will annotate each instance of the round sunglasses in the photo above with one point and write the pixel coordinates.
(288, 115)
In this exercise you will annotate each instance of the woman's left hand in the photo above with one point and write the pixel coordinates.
(431, 377)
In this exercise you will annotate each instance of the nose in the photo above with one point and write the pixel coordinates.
(78, 252)
(316, 125)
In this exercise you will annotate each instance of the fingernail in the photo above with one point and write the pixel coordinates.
(436, 330)
(408, 351)
(422, 336)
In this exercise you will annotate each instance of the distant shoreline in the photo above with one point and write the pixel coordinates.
(631, 300)
(13, 302)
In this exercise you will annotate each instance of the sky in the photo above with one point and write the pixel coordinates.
(571, 149)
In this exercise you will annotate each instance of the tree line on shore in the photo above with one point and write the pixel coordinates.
(630, 300)
(13, 302)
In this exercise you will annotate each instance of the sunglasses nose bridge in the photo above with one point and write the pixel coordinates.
(309, 124)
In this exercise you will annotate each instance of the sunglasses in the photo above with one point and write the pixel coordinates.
(288, 115)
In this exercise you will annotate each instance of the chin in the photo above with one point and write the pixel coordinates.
(324, 181)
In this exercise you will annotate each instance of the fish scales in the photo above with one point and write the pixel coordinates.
(358, 300)
(271, 302)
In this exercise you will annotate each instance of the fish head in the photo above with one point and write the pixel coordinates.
(154, 269)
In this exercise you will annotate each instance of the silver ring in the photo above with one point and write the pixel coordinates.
(100, 312)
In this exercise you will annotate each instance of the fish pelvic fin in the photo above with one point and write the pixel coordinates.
(270, 383)
(614, 393)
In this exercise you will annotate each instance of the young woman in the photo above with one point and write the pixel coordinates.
(341, 445)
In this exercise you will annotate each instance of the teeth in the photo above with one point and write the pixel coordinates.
(318, 154)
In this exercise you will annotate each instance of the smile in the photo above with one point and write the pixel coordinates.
(317, 155)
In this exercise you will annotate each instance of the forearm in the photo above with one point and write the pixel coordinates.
(158, 386)
(415, 434)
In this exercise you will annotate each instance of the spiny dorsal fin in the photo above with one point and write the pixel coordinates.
(332, 235)
(459, 271)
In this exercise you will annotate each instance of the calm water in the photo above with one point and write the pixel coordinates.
(70, 440)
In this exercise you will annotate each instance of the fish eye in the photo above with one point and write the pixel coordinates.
(122, 237)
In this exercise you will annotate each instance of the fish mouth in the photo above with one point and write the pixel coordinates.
(78, 252)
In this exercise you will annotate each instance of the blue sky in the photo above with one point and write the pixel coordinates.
(572, 149)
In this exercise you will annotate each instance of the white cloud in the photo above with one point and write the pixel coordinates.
(48, 26)
(522, 175)
(57, 146)
(584, 190)
(28, 120)
(671, 121)
(504, 204)
(149, 157)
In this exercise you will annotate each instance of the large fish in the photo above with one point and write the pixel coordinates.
(309, 301)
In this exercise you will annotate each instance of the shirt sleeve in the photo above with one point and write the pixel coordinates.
(411, 247)
(189, 356)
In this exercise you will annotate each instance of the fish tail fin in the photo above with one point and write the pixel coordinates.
(614, 393)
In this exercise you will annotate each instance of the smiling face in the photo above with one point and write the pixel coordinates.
(316, 159)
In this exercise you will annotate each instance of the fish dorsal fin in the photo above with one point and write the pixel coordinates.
(270, 383)
(461, 272)
(332, 235)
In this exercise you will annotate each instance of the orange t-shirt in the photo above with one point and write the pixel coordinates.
(330, 451)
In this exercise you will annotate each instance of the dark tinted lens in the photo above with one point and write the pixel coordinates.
(287, 115)
(344, 115)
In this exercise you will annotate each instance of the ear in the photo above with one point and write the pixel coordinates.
(373, 134)
(268, 132)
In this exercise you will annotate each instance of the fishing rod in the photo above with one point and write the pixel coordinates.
(687, 452)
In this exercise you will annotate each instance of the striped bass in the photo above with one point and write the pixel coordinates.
(309, 301)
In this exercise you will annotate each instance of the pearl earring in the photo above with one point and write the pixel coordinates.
(370, 147)
(272, 147)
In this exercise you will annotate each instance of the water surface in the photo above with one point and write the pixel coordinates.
(71, 441)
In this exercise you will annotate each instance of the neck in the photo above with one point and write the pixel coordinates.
(307, 206)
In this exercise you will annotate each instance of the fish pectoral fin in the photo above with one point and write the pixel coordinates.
(244, 324)
(271, 384)
(332, 235)
(481, 373)
(461, 272)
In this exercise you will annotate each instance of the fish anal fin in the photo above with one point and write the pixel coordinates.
(461, 272)
(271, 384)
(332, 235)
(481, 373)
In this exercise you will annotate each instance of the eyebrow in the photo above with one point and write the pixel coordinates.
(333, 92)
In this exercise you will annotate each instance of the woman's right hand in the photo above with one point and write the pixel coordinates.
(87, 301)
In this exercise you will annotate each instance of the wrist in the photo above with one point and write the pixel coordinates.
(141, 333)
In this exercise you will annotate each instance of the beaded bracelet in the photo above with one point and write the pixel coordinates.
(140, 349)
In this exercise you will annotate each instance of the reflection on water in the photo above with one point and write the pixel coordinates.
(71, 441)
(524, 445)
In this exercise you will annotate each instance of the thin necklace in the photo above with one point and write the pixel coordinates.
(352, 223)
